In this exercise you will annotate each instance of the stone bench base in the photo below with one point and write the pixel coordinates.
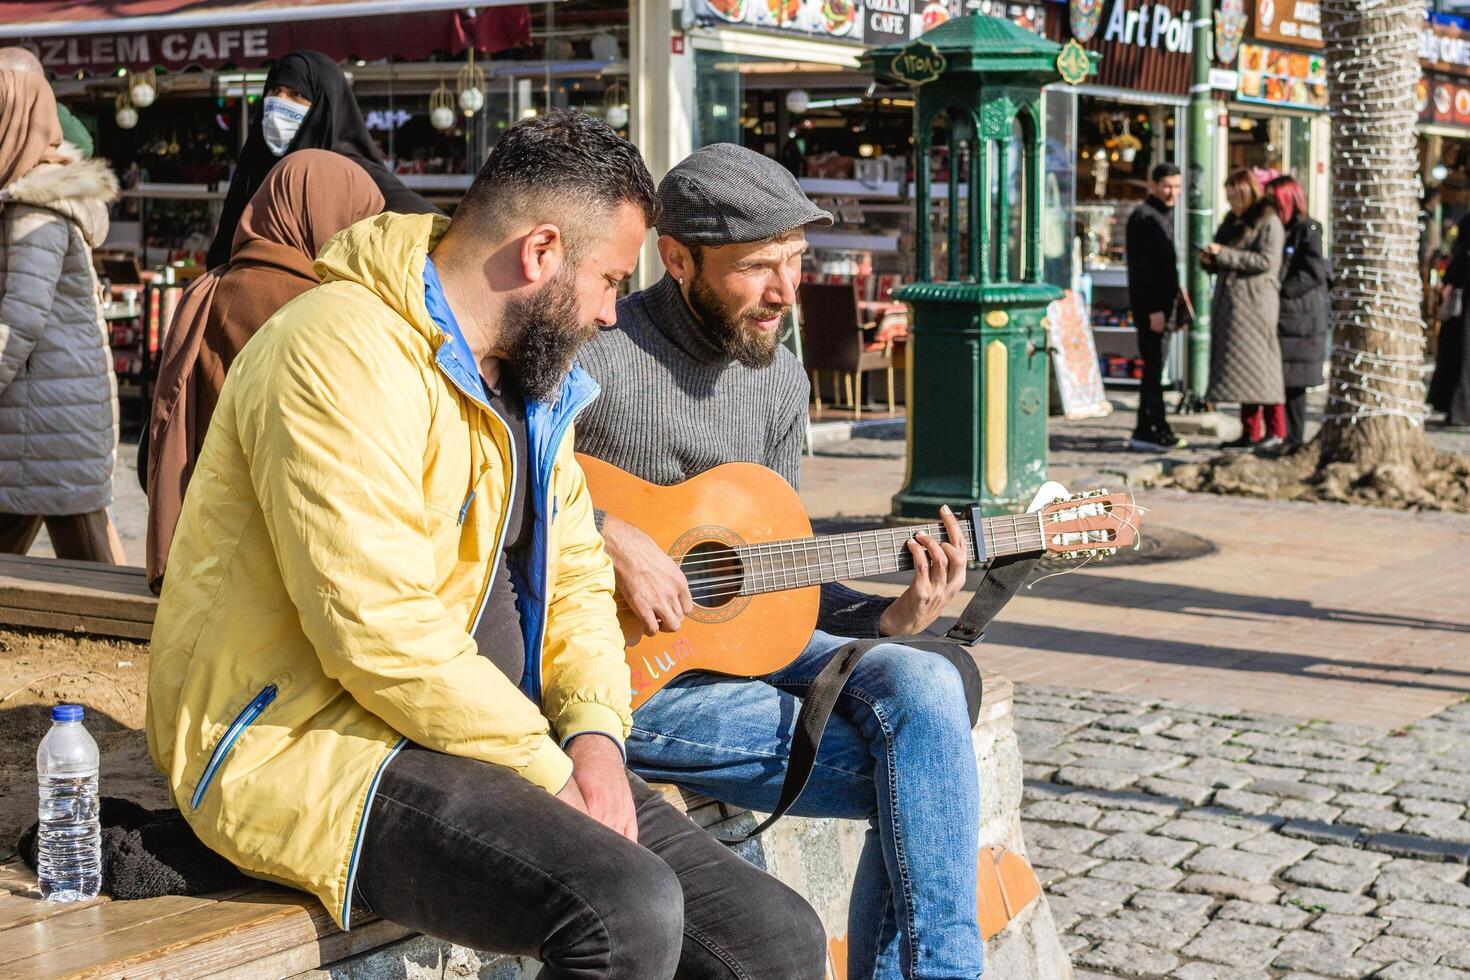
(818, 858)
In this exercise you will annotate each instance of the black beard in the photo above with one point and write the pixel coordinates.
(550, 335)
(728, 329)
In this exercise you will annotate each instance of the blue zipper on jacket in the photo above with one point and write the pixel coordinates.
(242, 721)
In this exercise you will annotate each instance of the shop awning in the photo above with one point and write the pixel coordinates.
(103, 35)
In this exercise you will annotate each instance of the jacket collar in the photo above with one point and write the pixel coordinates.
(80, 190)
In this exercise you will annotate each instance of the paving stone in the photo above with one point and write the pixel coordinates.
(1032, 791)
(1236, 863)
(1053, 756)
(1431, 791)
(1234, 944)
(1450, 915)
(1062, 811)
(1067, 861)
(1420, 888)
(1259, 822)
(1079, 903)
(1436, 809)
(1070, 717)
(1124, 821)
(1137, 873)
(1319, 900)
(1276, 916)
(1310, 792)
(1418, 971)
(1346, 967)
(1245, 802)
(1448, 777)
(1271, 726)
(1433, 934)
(1459, 958)
(1373, 801)
(1353, 856)
(1212, 773)
(1128, 958)
(1074, 944)
(1363, 926)
(1199, 970)
(1065, 911)
(1446, 830)
(1392, 949)
(1123, 800)
(1298, 975)
(1302, 810)
(1037, 773)
(1322, 944)
(1034, 735)
(1174, 789)
(1151, 927)
(1298, 764)
(1372, 818)
(1411, 845)
(1092, 777)
(1187, 731)
(1223, 886)
(1323, 833)
(1369, 782)
(1205, 832)
(1342, 732)
(1076, 839)
(1148, 724)
(1288, 849)
(1439, 870)
(1303, 744)
(1098, 735)
(1174, 902)
(1124, 758)
(1047, 876)
(1144, 847)
(1332, 877)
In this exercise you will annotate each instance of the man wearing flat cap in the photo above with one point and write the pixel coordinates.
(693, 376)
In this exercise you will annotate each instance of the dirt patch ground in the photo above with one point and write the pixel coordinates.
(39, 668)
(1440, 482)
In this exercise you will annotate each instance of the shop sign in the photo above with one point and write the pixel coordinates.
(918, 64)
(1224, 79)
(1444, 100)
(1280, 77)
(1297, 22)
(843, 19)
(1229, 29)
(1444, 44)
(412, 36)
(1144, 46)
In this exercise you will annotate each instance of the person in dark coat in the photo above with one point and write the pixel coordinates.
(1449, 388)
(1153, 289)
(1302, 325)
(308, 104)
(1245, 355)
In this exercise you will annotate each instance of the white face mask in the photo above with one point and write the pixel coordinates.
(281, 120)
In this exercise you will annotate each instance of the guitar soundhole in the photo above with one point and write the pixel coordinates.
(715, 573)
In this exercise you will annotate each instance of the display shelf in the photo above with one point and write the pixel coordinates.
(1112, 276)
(1122, 381)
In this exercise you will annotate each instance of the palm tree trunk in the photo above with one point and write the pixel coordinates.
(1375, 405)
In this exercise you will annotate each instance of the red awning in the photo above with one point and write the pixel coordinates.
(103, 35)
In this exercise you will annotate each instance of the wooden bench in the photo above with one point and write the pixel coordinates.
(266, 931)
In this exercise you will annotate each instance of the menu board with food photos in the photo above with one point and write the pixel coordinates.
(1443, 100)
(1280, 77)
(869, 22)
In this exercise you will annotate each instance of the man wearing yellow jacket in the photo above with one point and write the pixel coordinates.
(386, 664)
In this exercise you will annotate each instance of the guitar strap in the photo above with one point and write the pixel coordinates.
(1001, 580)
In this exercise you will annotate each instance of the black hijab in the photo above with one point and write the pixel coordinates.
(334, 122)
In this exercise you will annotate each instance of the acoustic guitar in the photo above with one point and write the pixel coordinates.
(742, 538)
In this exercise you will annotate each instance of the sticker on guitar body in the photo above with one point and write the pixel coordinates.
(663, 664)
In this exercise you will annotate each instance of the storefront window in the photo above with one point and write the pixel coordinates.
(1059, 187)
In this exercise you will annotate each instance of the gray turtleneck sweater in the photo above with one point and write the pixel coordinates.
(673, 405)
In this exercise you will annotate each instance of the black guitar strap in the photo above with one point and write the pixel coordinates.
(1001, 580)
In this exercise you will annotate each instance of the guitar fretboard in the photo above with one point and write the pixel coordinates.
(774, 566)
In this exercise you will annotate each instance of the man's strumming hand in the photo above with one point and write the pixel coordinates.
(600, 784)
(648, 580)
(939, 574)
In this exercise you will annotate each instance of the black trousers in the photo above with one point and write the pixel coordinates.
(472, 853)
(1296, 414)
(1152, 425)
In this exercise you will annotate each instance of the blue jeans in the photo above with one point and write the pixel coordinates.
(897, 753)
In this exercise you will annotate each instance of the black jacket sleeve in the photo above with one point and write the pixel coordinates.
(1153, 279)
(1308, 268)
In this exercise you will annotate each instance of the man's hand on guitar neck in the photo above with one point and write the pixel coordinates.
(648, 580)
(939, 574)
(599, 784)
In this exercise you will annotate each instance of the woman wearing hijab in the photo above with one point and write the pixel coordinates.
(306, 199)
(58, 396)
(1245, 355)
(1449, 388)
(1301, 325)
(308, 105)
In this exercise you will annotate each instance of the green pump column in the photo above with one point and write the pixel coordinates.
(977, 352)
(1199, 199)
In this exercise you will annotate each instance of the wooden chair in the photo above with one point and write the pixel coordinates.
(833, 340)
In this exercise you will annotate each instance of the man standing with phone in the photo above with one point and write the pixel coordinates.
(1153, 292)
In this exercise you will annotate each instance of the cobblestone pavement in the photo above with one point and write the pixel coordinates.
(1192, 842)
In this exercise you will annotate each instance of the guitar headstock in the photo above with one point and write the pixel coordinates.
(1095, 523)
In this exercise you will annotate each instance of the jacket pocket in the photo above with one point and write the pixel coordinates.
(242, 721)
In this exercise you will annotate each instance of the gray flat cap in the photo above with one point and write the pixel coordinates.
(723, 194)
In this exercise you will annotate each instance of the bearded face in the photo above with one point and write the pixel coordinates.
(551, 332)
(734, 329)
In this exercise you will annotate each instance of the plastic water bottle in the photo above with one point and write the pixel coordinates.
(69, 845)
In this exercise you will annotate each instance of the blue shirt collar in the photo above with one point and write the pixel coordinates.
(455, 356)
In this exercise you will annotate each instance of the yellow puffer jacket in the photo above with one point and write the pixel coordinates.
(339, 537)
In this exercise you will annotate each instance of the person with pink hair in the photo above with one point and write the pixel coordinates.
(1301, 326)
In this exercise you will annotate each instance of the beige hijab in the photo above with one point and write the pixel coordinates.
(30, 130)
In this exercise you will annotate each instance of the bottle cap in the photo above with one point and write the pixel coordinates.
(67, 712)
